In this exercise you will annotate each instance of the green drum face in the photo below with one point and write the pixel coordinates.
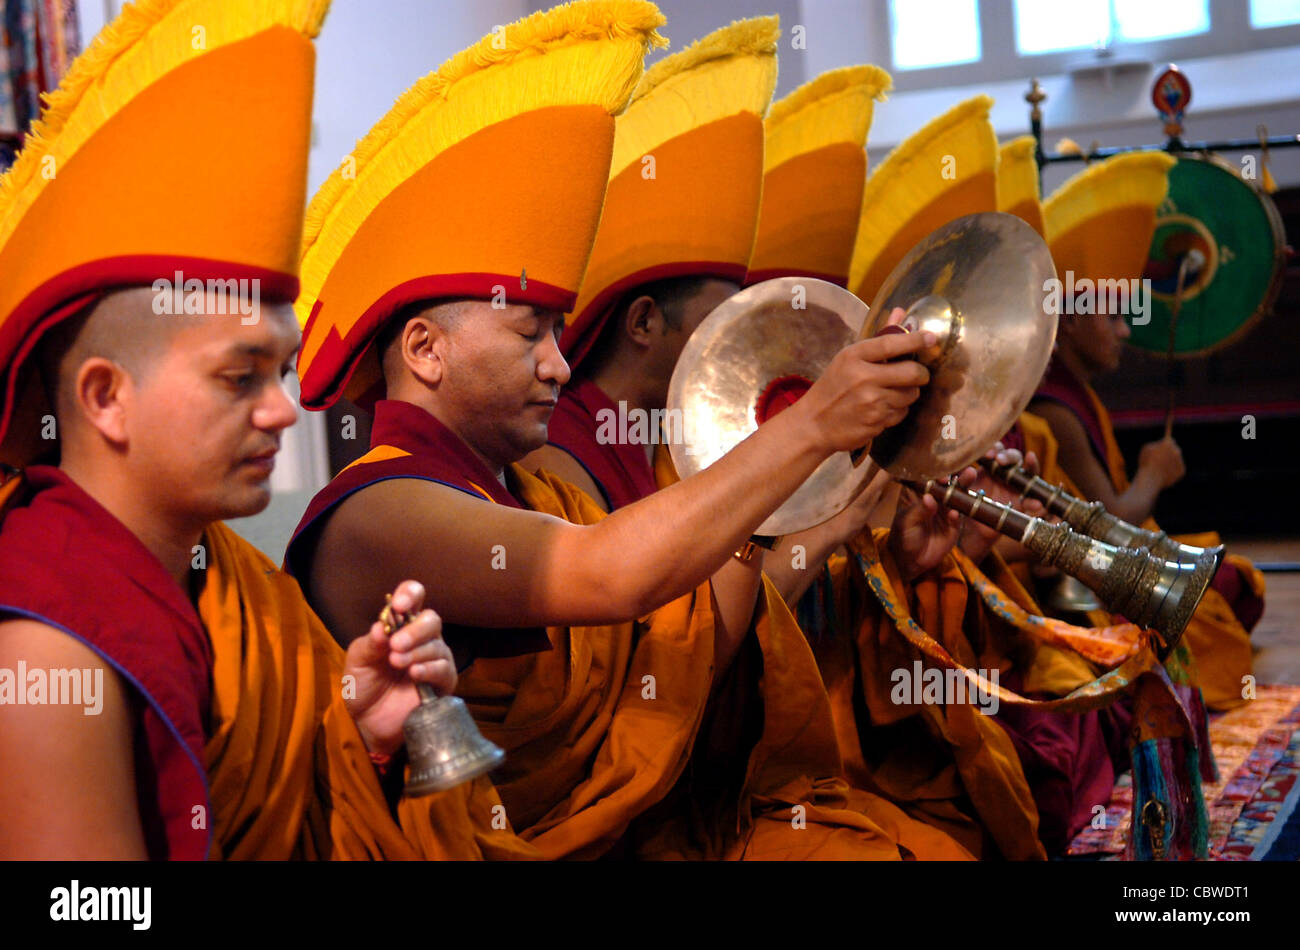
(1238, 232)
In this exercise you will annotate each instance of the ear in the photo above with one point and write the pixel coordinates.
(643, 321)
(424, 349)
(102, 393)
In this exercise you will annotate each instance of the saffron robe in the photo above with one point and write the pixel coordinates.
(601, 729)
(951, 767)
(244, 747)
(1218, 633)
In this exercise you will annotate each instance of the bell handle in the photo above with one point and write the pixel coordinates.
(393, 621)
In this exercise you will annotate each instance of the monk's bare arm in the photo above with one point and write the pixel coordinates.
(1081, 464)
(68, 790)
(563, 465)
(490, 565)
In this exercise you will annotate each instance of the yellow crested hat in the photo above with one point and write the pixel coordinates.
(687, 173)
(1099, 224)
(814, 170)
(1018, 190)
(485, 180)
(942, 172)
(177, 142)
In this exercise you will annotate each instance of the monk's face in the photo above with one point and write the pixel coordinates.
(668, 345)
(501, 376)
(1097, 340)
(206, 416)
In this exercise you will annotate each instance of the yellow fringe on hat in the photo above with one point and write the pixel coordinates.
(731, 70)
(588, 52)
(837, 106)
(1127, 180)
(1018, 191)
(911, 176)
(148, 39)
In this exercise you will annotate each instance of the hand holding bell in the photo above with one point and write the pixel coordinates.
(443, 745)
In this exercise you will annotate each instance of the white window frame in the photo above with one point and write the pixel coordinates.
(1230, 32)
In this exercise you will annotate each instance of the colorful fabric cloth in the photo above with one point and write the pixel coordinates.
(1257, 747)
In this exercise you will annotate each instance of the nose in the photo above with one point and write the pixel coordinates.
(1122, 329)
(551, 365)
(277, 411)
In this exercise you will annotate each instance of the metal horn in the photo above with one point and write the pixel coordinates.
(1148, 590)
(443, 744)
(1092, 518)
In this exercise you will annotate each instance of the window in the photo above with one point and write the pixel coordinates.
(1266, 13)
(1048, 26)
(927, 33)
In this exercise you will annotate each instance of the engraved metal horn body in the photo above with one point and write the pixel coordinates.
(444, 747)
(1092, 518)
(1149, 590)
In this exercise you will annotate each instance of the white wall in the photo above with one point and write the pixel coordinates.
(1231, 93)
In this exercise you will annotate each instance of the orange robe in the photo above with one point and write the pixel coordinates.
(262, 759)
(951, 766)
(618, 740)
(1218, 642)
(788, 799)
(288, 772)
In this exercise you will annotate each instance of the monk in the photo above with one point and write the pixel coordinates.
(161, 768)
(624, 352)
(646, 705)
(1089, 346)
(1074, 428)
(168, 692)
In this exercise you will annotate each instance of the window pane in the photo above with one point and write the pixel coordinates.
(1265, 13)
(934, 32)
(1144, 20)
(1046, 26)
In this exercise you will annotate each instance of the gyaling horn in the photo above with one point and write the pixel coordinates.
(1092, 518)
(1148, 590)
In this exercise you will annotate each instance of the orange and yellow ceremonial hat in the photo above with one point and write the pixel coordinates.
(687, 174)
(1099, 224)
(485, 180)
(177, 142)
(946, 170)
(815, 167)
(1018, 188)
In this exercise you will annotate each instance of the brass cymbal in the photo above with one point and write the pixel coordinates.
(754, 353)
(980, 283)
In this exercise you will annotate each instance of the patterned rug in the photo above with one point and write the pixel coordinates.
(1253, 807)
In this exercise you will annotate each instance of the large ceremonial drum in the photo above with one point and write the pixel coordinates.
(1238, 231)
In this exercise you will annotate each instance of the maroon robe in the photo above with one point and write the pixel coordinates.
(621, 470)
(68, 563)
(436, 454)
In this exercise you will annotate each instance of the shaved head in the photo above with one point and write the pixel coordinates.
(447, 314)
(122, 327)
